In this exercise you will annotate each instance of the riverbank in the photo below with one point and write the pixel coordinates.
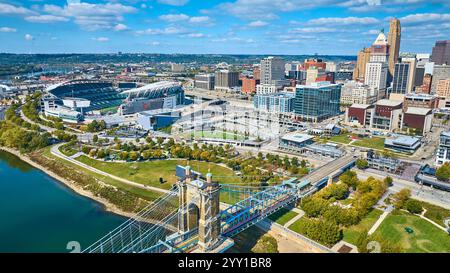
(107, 205)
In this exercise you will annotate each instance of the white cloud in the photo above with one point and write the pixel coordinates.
(174, 17)
(101, 39)
(312, 30)
(258, 23)
(195, 35)
(425, 17)
(92, 16)
(46, 18)
(200, 19)
(164, 31)
(174, 2)
(183, 17)
(28, 37)
(7, 29)
(154, 43)
(120, 27)
(343, 21)
(14, 10)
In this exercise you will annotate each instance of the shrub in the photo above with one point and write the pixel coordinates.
(413, 206)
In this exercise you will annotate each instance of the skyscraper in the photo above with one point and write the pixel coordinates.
(377, 68)
(272, 70)
(441, 53)
(394, 37)
(360, 69)
(404, 75)
(317, 101)
(225, 80)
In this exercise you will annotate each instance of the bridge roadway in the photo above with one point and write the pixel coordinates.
(328, 169)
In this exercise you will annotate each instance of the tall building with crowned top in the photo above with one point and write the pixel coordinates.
(377, 67)
(394, 37)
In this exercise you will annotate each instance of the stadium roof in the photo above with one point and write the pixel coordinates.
(149, 88)
(70, 82)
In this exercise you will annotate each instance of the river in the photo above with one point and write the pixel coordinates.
(39, 214)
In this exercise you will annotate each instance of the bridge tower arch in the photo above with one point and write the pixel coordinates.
(200, 208)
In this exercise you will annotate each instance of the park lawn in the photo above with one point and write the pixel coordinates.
(142, 193)
(344, 138)
(282, 216)
(425, 238)
(372, 143)
(297, 226)
(435, 213)
(149, 172)
(352, 233)
(67, 150)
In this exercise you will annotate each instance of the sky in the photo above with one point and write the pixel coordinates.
(325, 27)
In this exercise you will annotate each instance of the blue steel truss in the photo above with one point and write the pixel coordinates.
(256, 207)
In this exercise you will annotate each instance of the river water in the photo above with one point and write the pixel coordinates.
(39, 214)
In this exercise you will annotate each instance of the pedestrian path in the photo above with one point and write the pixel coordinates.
(300, 214)
(378, 222)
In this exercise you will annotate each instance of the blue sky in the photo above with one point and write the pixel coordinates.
(338, 27)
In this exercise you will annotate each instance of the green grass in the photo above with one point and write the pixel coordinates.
(149, 172)
(282, 216)
(67, 150)
(435, 213)
(425, 238)
(372, 143)
(297, 225)
(344, 138)
(142, 193)
(352, 233)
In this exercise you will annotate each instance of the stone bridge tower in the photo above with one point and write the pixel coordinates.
(200, 208)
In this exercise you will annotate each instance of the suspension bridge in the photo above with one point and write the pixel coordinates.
(199, 215)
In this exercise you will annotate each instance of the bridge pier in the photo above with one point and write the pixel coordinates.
(200, 208)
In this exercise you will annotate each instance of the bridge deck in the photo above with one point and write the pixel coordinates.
(320, 173)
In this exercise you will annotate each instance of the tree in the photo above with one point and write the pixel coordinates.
(389, 181)
(350, 178)
(101, 153)
(124, 155)
(314, 206)
(443, 173)
(95, 138)
(337, 191)
(295, 162)
(401, 197)
(134, 156)
(413, 206)
(85, 149)
(362, 163)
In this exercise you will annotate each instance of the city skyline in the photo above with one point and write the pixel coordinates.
(227, 27)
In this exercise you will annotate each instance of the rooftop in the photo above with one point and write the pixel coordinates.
(388, 102)
(297, 137)
(403, 140)
(418, 111)
(317, 85)
(361, 106)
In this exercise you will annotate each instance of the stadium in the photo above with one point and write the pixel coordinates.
(71, 100)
